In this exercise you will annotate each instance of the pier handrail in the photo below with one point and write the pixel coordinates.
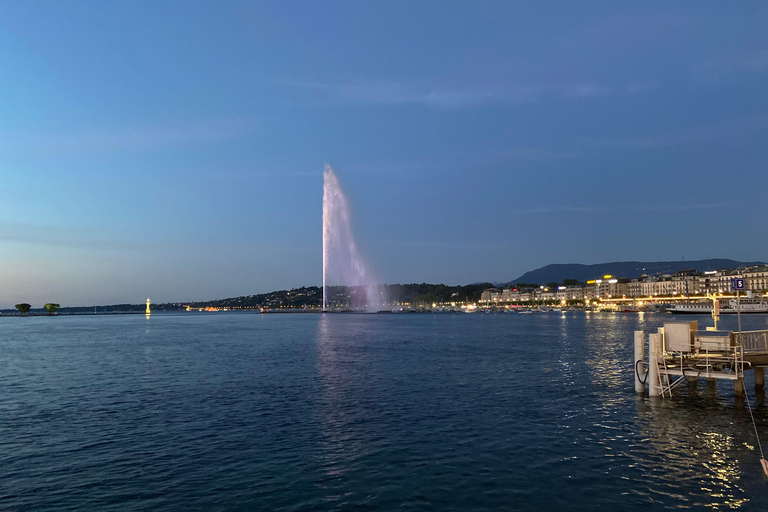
(753, 341)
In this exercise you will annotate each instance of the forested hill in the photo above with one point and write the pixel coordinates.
(312, 296)
(556, 273)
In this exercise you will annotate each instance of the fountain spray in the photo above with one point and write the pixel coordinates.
(342, 263)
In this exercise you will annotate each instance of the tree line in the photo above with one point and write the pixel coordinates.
(312, 296)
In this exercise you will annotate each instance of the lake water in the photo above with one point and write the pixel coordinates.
(241, 411)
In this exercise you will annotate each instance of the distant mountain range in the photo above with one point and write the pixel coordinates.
(556, 273)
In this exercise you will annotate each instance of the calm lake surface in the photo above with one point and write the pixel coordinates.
(236, 411)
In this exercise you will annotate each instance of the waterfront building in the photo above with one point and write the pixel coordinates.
(719, 280)
(572, 292)
(688, 282)
(491, 295)
(756, 278)
(547, 294)
(575, 292)
(634, 286)
(685, 282)
(590, 290)
(655, 286)
(607, 287)
(509, 295)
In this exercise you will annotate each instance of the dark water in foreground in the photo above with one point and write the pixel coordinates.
(371, 412)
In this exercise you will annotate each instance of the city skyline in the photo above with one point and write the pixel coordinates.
(175, 150)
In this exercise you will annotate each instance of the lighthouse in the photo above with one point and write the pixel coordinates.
(148, 311)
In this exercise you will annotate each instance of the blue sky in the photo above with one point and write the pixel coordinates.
(174, 150)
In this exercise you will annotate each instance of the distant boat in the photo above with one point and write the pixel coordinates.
(727, 307)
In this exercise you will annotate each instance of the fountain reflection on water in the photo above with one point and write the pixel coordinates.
(348, 283)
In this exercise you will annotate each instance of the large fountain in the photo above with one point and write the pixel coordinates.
(348, 284)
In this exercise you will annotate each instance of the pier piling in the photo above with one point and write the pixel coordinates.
(639, 361)
(654, 388)
(759, 379)
(738, 387)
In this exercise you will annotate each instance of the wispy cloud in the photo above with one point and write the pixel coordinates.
(388, 92)
(59, 236)
(393, 93)
(458, 246)
(545, 210)
(752, 60)
(738, 131)
(535, 153)
(555, 209)
(405, 167)
(649, 141)
(641, 87)
(673, 207)
(755, 61)
(128, 138)
(583, 91)
(89, 239)
(462, 161)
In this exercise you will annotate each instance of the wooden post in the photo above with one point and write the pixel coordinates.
(639, 367)
(760, 379)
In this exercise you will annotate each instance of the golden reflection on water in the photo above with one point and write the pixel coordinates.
(605, 340)
(688, 447)
(565, 355)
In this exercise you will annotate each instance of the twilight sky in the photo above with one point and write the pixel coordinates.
(174, 150)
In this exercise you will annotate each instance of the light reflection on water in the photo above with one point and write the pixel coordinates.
(693, 452)
(338, 374)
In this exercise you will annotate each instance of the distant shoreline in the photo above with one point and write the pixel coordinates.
(9, 314)
(113, 313)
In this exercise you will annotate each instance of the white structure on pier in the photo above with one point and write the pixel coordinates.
(679, 352)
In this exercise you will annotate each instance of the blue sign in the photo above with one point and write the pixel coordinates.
(737, 283)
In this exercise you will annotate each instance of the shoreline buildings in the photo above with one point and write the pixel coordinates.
(684, 283)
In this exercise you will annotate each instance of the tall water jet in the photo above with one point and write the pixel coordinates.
(343, 266)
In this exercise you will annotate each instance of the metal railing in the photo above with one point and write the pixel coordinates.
(753, 341)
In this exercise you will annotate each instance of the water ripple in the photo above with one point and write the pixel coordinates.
(407, 412)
